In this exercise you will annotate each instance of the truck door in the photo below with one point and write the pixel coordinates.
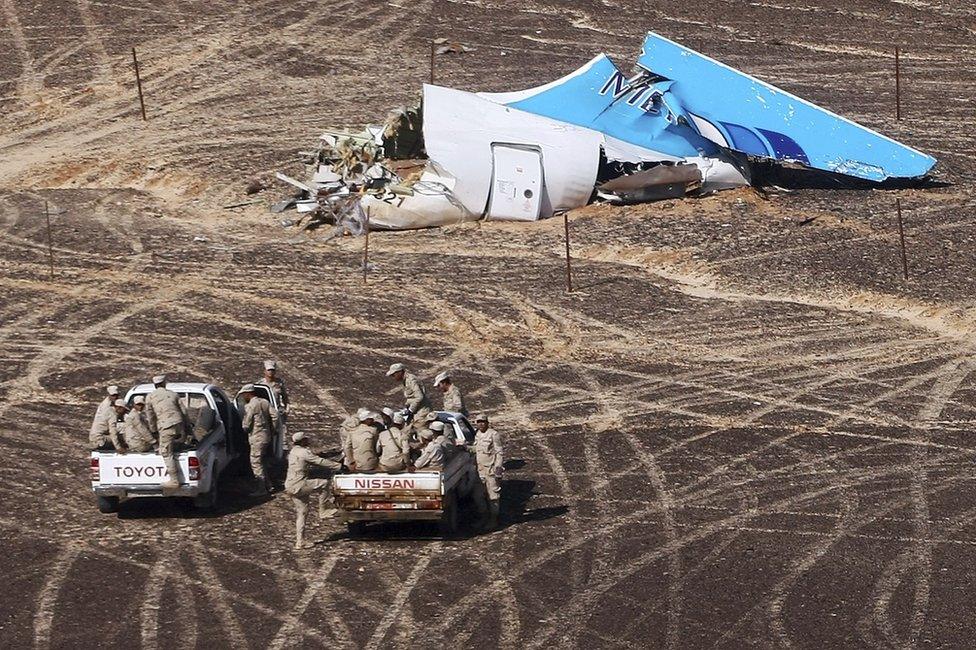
(516, 183)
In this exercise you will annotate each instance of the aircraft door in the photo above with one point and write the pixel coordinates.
(516, 183)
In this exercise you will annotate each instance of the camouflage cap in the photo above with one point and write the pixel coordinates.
(395, 368)
(298, 437)
(112, 390)
(270, 365)
(139, 399)
(119, 402)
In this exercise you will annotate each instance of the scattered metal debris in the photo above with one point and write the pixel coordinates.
(242, 204)
(445, 46)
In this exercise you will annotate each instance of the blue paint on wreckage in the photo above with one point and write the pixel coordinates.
(761, 120)
(685, 104)
(601, 98)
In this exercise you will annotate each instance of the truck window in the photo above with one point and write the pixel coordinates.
(463, 427)
(262, 390)
(193, 402)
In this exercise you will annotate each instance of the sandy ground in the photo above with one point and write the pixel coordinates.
(743, 427)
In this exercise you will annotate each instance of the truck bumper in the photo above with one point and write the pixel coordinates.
(135, 491)
(345, 516)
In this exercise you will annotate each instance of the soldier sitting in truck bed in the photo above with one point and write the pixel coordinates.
(360, 448)
(393, 446)
(435, 453)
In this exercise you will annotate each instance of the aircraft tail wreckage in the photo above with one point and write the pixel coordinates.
(683, 125)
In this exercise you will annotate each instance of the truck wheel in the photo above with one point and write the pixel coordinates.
(449, 517)
(208, 501)
(356, 528)
(107, 504)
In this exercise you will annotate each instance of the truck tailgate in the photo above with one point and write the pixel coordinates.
(137, 469)
(414, 484)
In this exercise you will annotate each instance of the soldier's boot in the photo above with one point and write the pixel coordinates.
(260, 487)
(172, 472)
(325, 512)
(493, 514)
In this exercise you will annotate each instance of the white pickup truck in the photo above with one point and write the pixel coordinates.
(223, 449)
(432, 495)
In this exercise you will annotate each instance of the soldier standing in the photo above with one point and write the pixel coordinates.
(488, 452)
(277, 386)
(453, 401)
(136, 431)
(413, 390)
(259, 422)
(166, 416)
(300, 488)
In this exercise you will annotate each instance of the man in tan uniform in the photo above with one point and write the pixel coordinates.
(360, 449)
(434, 454)
(260, 421)
(488, 453)
(104, 407)
(299, 487)
(276, 383)
(413, 391)
(393, 446)
(105, 431)
(453, 401)
(348, 424)
(277, 386)
(166, 416)
(136, 431)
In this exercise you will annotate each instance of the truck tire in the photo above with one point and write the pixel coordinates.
(449, 516)
(356, 528)
(208, 502)
(107, 504)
